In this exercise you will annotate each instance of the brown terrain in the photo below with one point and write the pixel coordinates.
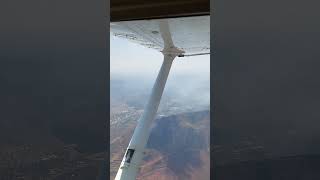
(178, 147)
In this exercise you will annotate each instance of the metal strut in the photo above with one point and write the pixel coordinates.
(129, 166)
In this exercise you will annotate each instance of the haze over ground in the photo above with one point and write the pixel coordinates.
(136, 68)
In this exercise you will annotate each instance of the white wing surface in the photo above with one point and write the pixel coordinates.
(189, 34)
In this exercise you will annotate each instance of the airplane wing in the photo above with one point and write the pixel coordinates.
(191, 35)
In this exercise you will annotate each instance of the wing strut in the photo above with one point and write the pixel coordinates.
(131, 161)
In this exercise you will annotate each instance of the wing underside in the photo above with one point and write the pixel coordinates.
(189, 34)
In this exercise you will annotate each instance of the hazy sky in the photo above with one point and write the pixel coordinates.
(137, 68)
(134, 60)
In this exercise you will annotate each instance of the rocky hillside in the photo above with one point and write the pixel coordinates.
(178, 148)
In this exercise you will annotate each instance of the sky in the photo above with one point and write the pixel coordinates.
(130, 59)
(137, 67)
